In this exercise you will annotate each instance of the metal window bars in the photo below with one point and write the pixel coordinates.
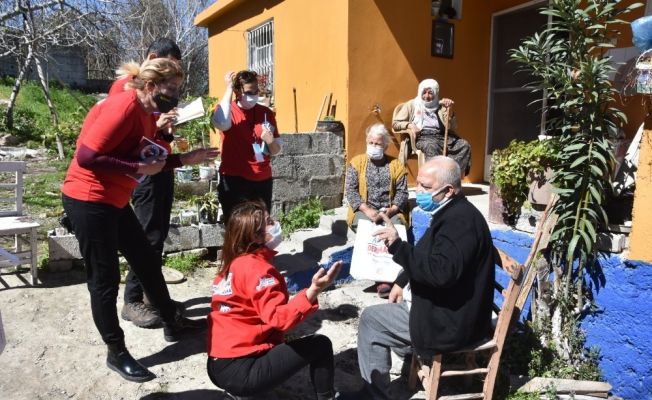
(260, 50)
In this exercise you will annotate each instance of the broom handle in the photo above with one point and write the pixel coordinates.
(320, 111)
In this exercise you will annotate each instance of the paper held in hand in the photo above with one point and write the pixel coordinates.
(192, 110)
(370, 259)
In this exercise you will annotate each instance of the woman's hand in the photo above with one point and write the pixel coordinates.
(167, 120)
(267, 136)
(446, 102)
(228, 79)
(371, 213)
(412, 129)
(321, 280)
(199, 156)
(151, 166)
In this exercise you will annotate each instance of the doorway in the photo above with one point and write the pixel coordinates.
(511, 111)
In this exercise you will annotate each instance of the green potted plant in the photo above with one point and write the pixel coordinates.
(515, 170)
(207, 207)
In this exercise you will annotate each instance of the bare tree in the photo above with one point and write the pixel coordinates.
(30, 28)
(146, 20)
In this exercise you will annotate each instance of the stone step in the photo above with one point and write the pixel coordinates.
(335, 221)
(314, 242)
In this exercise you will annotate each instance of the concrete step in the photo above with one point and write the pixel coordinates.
(314, 242)
(335, 221)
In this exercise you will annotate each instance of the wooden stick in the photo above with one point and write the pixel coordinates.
(448, 118)
(320, 111)
(328, 108)
(296, 117)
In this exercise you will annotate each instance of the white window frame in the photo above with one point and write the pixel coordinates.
(260, 51)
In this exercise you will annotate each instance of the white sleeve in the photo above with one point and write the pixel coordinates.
(222, 116)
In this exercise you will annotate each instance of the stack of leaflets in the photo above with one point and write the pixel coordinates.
(190, 111)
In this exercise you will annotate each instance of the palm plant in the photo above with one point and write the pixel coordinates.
(569, 64)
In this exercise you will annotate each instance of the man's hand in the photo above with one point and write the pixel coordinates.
(321, 280)
(199, 156)
(167, 120)
(151, 166)
(388, 233)
(396, 294)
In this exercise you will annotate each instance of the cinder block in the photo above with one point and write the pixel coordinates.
(63, 247)
(212, 235)
(328, 143)
(284, 166)
(612, 242)
(182, 238)
(326, 185)
(296, 143)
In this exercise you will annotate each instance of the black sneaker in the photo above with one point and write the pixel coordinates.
(182, 327)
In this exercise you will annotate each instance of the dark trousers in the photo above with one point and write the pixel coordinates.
(152, 202)
(233, 190)
(102, 230)
(246, 376)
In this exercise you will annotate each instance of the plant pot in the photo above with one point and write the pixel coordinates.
(540, 188)
(184, 174)
(181, 144)
(206, 173)
(330, 126)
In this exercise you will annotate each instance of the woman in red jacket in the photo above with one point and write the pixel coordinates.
(106, 167)
(251, 310)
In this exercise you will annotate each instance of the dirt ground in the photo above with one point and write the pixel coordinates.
(54, 352)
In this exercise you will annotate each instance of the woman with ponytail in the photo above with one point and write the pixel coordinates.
(113, 152)
(251, 310)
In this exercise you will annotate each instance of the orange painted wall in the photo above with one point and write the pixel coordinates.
(310, 54)
(639, 246)
(389, 54)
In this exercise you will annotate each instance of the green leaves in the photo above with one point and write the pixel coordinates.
(567, 60)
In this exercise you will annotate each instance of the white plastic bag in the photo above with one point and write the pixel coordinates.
(371, 259)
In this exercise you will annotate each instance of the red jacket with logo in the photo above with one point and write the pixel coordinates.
(251, 308)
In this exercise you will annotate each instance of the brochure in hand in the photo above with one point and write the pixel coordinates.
(192, 110)
(148, 149)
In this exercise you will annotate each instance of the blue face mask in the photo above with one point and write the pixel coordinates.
(426, 202)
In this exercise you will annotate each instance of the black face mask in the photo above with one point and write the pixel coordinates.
(165, 103)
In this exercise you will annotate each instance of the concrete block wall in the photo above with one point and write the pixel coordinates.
(310, 164)
(67, 64)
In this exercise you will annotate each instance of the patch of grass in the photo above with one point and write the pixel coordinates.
(305, 215)
(184, 263)
(42, 189)
(32, 120)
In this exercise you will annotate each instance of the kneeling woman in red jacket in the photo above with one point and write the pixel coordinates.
(251, 310)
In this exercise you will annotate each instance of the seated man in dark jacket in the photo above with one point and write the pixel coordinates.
(442, 301)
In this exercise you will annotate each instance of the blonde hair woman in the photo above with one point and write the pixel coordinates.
(96, 191)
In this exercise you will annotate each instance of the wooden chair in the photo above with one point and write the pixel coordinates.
(13, 222)
(407, 139)
(430, 374)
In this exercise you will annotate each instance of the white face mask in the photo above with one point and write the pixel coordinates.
(375, 153)
(276, 235)
(247, 101)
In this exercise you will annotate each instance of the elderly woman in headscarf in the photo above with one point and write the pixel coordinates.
(424, 118)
